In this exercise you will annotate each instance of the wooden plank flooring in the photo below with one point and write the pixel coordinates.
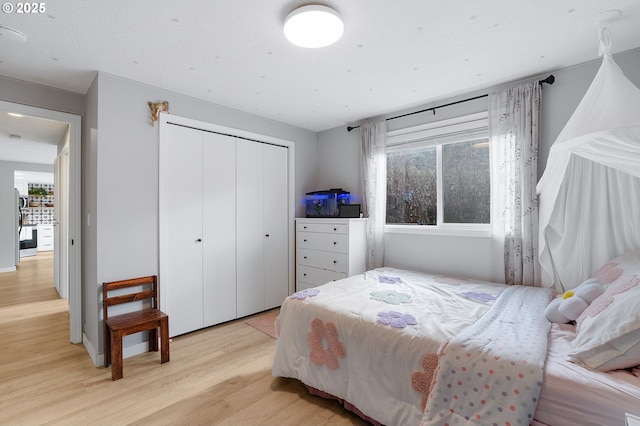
(217, 376)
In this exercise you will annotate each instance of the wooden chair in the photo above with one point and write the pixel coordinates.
(149, 319)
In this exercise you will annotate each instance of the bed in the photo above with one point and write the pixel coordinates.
(402, 347)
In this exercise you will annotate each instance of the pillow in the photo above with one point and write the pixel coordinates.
(608, 331)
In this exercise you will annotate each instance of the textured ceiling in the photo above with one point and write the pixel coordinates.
(393, 55)
(29, 139)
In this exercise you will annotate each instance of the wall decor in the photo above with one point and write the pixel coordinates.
(156, 108)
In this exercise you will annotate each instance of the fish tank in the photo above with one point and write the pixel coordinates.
(326, 203)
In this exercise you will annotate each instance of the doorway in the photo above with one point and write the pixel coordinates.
(72, 218)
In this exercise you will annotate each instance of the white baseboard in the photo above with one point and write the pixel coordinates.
(97, 360)
(10, 269)
(127, 351)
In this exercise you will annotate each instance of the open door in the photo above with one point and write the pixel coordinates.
(61, 223)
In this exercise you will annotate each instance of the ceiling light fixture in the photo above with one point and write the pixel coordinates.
(11, 34)
(313, 26)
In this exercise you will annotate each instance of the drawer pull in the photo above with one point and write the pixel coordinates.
(335, 229)
(304, 274)
(304, 227)
(305, 241)
(305, 257)
(335, 243)
(335, 261)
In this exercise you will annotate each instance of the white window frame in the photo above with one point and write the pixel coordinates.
(437, 133)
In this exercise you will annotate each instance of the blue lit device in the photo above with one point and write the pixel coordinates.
(326, 203)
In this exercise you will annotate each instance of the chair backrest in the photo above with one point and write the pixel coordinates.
(149, 291)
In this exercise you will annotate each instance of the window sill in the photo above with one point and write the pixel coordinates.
(479, 231)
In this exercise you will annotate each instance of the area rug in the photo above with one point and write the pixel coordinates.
(264, 322)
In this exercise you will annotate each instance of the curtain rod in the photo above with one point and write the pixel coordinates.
(549, 80)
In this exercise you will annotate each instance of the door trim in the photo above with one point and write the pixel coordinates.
(75, 213)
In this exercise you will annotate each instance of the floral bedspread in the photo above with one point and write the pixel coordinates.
(492, 372)
(373, 339)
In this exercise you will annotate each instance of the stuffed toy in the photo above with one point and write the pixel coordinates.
(573, 302)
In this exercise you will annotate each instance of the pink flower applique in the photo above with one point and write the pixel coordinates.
(448, 279)
(608, 273)
(606, 298)
(321, 334)
(421, 380)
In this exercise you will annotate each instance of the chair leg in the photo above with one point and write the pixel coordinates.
(164, 340)
(107, 346)
(116, 355)
(153, 340)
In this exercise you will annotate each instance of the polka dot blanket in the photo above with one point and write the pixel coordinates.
(491, 373)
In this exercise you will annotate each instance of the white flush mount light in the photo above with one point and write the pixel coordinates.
(11, 34)
(313, 26)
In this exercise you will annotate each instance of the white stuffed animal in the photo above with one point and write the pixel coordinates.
(574, 302)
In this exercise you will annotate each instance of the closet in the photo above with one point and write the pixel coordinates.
(262, 235)
(224, 240)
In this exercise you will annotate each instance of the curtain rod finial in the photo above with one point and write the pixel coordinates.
(549, 80)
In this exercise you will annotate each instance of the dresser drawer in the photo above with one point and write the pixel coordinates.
(327, 228)
(312, 277)
(332, 261)
(326, 242)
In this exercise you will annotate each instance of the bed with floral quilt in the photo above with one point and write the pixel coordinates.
(402, 347)
(405, 347)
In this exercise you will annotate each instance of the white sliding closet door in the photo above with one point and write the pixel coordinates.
(275, 224)
(224, 226)
(249, 234)
(262, 234)
(219, 228)
(181, 224)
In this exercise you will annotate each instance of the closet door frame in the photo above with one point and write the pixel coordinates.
(169, 119)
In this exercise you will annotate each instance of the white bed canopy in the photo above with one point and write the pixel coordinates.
(589, 193)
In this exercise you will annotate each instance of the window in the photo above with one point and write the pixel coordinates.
(439, 174)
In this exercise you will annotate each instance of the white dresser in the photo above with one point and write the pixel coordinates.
(328, 250)
(45, 237)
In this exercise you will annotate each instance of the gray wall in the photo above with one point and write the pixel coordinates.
(121, 178)
(339, 166)
(40, 96)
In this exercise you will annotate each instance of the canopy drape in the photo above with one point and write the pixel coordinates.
(589, 194)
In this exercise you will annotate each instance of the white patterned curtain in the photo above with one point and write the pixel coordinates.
(514, 117)
(373, 137)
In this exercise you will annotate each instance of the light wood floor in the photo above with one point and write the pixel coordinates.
(217, 376)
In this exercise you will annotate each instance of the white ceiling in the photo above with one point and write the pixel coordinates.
(393, 55)
(29, 139)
